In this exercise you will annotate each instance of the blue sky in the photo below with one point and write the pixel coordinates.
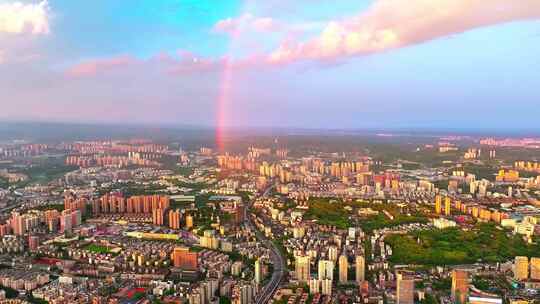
(464, 64)
(143, 28)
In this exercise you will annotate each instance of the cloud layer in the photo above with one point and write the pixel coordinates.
(387, 24)
(390, 24)
(246, 22)
(93, 67)
(128, 67)
(17, 18)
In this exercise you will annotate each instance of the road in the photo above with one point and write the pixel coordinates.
(278, 260)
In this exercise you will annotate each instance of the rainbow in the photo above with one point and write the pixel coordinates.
(224, 96)
(223, 104)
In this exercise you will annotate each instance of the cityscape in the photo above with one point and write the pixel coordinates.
(281, 152)
(303, 219)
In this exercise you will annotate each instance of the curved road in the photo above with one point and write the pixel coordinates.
(270, 289)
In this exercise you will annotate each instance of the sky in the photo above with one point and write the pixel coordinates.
(454, 64)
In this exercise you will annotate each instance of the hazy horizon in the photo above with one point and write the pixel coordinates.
(87, 130)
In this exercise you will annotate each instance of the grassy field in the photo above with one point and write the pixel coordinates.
(335, 214)
(382, 221)
(97, 249)
(327, 213)
(454, 246)
(45, 173)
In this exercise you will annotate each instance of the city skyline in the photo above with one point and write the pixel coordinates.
(269, 152)
(352, 64)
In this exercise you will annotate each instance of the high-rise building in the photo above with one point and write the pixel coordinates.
(195, 297)
(76, 218)
(332, 253)
(189, 221)
(18, 223)
(33, 243)
(174, 219)
(136, 204)
(239, 212)
(157, 217)
(72, 203)
(302, 268)
(209, 240)
(535, 268)
(360, 269)
(184, 259)
(4, 229)
(521, 268)
(66, 221)
(258, 274)
(343, 269)
(326, 287)
(447, 206)
(314, 286)
(438, 204)
(326, 270)
(247, 293)
(405, 288)
(460, 286)
(472, 187)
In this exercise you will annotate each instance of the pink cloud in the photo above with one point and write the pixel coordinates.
(390, 24)
(189, 62)
(386, 25)
(96, 66)
(177, 64)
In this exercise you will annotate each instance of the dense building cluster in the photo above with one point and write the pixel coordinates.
(133, 221)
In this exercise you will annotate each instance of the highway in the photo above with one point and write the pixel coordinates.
(278, 260)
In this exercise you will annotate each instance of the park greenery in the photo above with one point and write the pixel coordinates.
(138, 296)
(10, 292)
(45, 172)
(389, 153)
(132, 189)
(328, 213)
(184, 171)
(334, 213)
(4, 183)
(33, 300)
(195, 186)
(429, 299)
(480, 171)
(443, 284)
(382, 221)
(452, 246)
(224, 300)
(481, 283)
(97, 249)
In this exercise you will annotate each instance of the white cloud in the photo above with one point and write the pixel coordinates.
(17, 17)
(246, 22)
(390, 24)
